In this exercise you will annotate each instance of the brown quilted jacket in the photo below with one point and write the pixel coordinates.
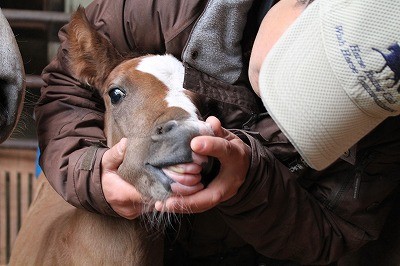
(284, 210)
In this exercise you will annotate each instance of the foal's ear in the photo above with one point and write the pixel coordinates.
(92, 56)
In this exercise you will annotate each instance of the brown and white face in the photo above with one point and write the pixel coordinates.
(12, 80)
(145, 102)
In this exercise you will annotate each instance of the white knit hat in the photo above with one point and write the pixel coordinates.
(334, 75)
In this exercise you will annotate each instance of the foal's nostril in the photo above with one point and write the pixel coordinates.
(167, 127)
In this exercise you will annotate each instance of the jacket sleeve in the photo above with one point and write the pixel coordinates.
(69, 120)
(315, 218)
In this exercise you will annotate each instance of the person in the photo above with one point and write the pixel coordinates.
(327, 86)
(295, 213)
(355, 93)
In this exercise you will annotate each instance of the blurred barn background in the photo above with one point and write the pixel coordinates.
(35, 24)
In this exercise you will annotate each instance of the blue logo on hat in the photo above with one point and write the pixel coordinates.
(392, 61)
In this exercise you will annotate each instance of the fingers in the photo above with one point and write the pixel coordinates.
(195, 203)
(125, 200)
(122, 197)
(183, 178)
(212, 146)
(186, 183)
(234, 156)
(114, 156)
(199, 159)
(216, 146)
(183, 190)
(126, 203)
(215, 125)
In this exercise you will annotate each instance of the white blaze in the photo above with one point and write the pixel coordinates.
(169, 71)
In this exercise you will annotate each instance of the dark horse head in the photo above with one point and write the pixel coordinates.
(392, 61)
(12, 80)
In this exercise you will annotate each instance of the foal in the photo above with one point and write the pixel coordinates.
(146, 103)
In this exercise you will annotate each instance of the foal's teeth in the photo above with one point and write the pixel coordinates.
(176, 169)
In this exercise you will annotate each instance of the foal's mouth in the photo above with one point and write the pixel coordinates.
(160, 176)
(156, 170)
(173, 154)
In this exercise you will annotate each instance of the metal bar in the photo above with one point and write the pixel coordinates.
(30, 189)
(20, 15)
(19, 144)
(19, 201)
(8, 217)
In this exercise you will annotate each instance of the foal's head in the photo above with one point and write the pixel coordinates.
(145, 102)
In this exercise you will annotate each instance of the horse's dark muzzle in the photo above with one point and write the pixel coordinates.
(10, 107)
(170, 144)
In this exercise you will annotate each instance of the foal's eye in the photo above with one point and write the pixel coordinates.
(116, 95)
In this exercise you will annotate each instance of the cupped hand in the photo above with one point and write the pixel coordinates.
(125, 200)
(234, 156)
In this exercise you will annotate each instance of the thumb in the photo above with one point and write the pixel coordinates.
(217, 128)
(115, 155)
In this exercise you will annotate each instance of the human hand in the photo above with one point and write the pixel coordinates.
(187, 176)
(234, 156)
(122, 196)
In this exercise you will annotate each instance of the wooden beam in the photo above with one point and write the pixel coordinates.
(20, 15)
